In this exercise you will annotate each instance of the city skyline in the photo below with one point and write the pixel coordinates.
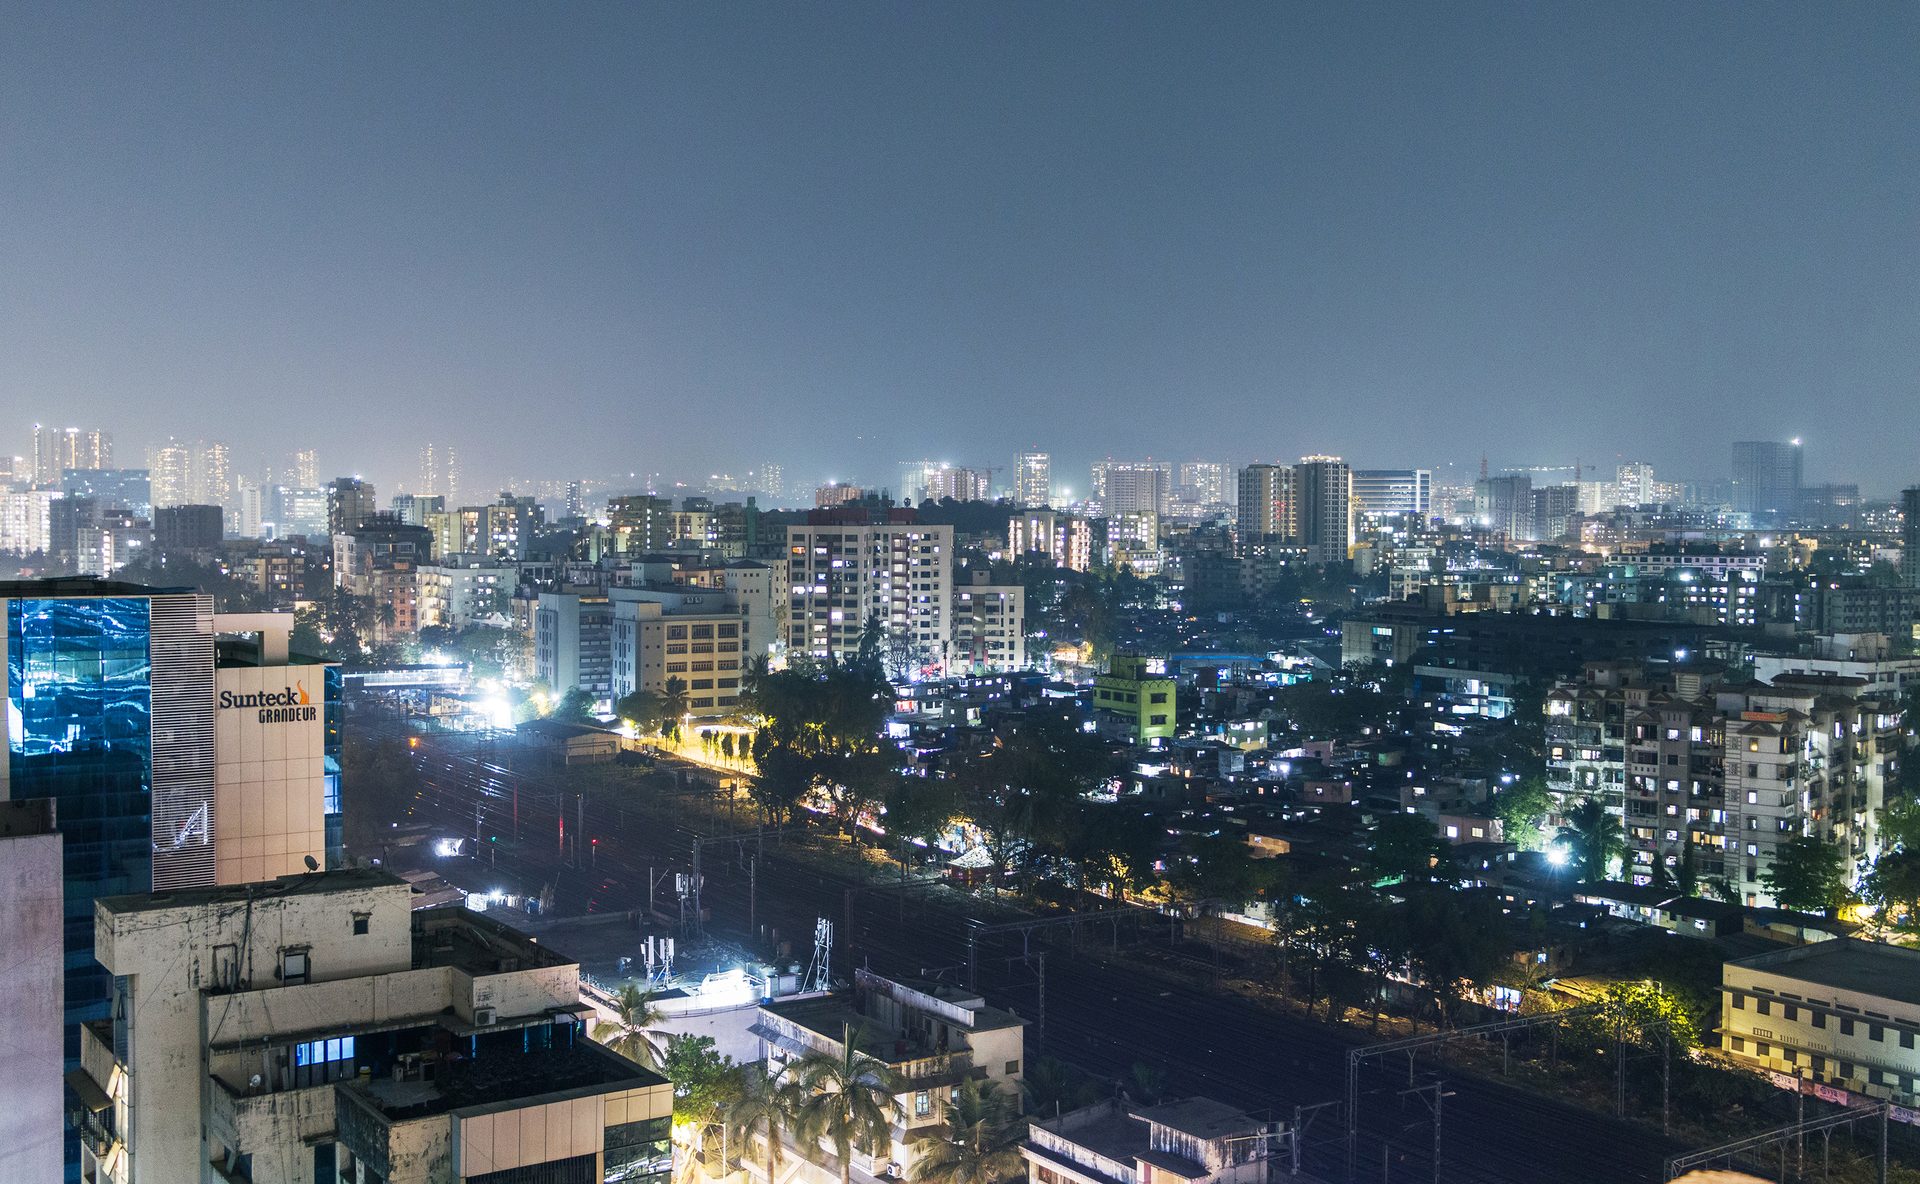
(1368, 233)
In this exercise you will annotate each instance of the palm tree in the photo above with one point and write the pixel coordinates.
(1593, 837)
(768, 1099)
(673, 704)
(979, 1144)
(849, 1101)
(634, 1030)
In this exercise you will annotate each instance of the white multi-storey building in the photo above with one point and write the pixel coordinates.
(989, 626)
(850, 566)
(1033, 480)
(933, 1037)
(317, 1027)
(461, 590)
(1065, 539)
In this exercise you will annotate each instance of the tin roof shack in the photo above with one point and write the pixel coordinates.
(271, 1032)
(1195, 1141)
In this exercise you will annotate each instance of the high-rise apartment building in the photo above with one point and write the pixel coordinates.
(380, 560)
(851, 565)
(1723, 774)
(1204, 483)
(1504, 505)
(941, 482)
(1766, 480)
(641, 524)
(1266, 505)
(771, 480)
(26, 520)
(170, 471)
(838, 493)
(318, 1027)
(55, 449)
(989, 626)
(1137, 487)
(1323, 507)
(1553, 509)
(350, 501)
(306, 469)
(1910, 535)
(1065, 540)
(1380, 494)
(1033, 480)
(1633, 485)
(191, 473)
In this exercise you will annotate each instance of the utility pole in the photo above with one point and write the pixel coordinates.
(753, 897)
(1040, 1032)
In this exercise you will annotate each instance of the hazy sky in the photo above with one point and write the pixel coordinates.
(574, 239)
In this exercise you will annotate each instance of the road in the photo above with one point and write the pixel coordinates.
(1104, 1013)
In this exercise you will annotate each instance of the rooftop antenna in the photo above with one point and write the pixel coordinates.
(818, 977)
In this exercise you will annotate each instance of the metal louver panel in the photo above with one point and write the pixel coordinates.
(183, 756)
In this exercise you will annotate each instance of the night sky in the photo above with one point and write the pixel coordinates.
(577, 239)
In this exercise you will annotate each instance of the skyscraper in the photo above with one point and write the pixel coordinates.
(1323, 507)
(306, 469)
(1766, 480)
(68, 448)
(170, 470)
(1033, 480)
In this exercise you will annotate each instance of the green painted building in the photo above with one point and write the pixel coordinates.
(1135, 698)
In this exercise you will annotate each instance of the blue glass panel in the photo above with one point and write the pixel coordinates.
(79, 711)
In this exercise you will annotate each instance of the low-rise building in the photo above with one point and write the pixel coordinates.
(317, 1027)
(1134, 699)
(1843, 1013)
(931, 1035)
(1193, 1141)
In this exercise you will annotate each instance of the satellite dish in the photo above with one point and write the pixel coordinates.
(313, 865)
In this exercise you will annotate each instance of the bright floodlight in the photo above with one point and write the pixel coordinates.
(1557, 856)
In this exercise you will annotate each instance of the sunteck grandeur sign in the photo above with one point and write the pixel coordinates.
(286, 706)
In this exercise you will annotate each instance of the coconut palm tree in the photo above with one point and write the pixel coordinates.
(848, 1100)
(673, 704)
(979, 1143)
(1593, 837)
(768, 1101)
(634, 1030)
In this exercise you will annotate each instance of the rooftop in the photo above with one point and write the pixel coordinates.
(77, 586)
(1847, 964)
(309, 884)
(1203, 1118)
(581, 1068)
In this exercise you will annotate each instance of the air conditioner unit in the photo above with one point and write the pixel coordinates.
(483, 1017)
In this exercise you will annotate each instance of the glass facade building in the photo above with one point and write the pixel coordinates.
(79, 731)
